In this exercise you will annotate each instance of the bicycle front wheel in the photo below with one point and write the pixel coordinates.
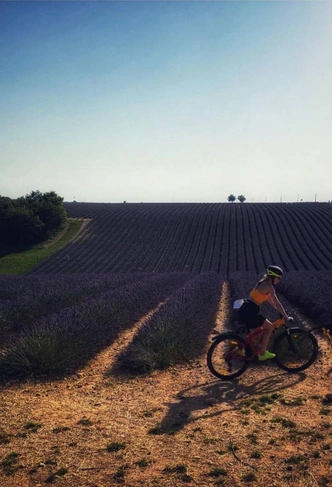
(295, 349)
(226, 357)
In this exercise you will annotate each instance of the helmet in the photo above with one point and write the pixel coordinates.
(274, 271)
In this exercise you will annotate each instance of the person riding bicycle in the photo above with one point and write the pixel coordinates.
(249, 312)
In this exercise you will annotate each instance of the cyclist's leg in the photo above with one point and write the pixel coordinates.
(249, 314)
(267, 327)
(266, 335)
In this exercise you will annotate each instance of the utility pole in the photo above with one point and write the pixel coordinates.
(315, 197)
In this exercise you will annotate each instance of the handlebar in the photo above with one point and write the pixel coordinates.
(289, 319)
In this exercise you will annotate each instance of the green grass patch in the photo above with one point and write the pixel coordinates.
(33, 427)
(296, 459)
(258, 405)
(4, 437)
(252, 438)
(60, 429)
(85, 422)
(9, 464)
(256, 454)
(115, 446)
(54, 476)
(298, 434)
(143, 463)
(119, 475)
(23, 260)
(217, 472)
(286, 423)
(180, 468)
(250, 477)
(298, 401)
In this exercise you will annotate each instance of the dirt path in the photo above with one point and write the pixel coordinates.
(171, 428)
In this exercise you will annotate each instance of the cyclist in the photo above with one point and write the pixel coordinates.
(249, 312)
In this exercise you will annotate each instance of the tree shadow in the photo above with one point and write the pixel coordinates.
(14, 249)
(203, 396)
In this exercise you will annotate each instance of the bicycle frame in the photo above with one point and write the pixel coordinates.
(252, 336)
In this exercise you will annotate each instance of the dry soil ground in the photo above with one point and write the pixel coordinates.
(171, 428)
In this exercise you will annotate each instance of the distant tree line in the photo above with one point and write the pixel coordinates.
(231, 198)
(31, 219)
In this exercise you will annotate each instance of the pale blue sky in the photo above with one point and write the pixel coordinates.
(166, 101)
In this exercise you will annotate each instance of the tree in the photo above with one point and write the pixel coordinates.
(5, 203)
(52, 215)
(241, 198)
(31, 218)
(231, 198)
(21, 226)
(36, 197)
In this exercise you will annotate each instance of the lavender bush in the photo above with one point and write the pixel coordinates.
(311, 291)
(241, 283)
(66, 340)
(25, 299)
(179, 329)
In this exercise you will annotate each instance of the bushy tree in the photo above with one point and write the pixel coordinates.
(22, 226)
(52, 215)
(231, 198)
(5, 203)
(241, 198)
(31, 218)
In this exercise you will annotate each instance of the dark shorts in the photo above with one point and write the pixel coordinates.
(249, 315)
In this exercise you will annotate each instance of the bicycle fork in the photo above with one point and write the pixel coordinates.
(291, 345)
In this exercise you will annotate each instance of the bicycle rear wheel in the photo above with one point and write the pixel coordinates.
(295, 349)
(226, 357)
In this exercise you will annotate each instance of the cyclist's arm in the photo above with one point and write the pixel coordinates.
(273, 299)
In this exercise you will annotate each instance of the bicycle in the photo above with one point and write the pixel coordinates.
(230, 353)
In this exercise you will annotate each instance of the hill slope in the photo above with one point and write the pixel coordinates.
(196, 237)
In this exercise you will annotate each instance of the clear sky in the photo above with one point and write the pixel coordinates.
(162, 101)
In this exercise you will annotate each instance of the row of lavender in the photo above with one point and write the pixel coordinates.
(311, 291)
(183, 237)
(179, 330)
(25, 300)
(66, 338)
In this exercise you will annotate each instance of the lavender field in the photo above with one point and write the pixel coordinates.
(196, 237)
(52, 325)
(167, 269)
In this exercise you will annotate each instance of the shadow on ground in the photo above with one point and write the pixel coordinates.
(205, 396)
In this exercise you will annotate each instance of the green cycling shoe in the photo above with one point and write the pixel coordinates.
(266, 356)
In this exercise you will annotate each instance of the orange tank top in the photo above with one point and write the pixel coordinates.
(258, 297)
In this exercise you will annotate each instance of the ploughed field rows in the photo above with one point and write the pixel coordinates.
(54, 325)
(196, 237)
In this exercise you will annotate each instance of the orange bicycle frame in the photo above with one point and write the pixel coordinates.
(250, 339)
